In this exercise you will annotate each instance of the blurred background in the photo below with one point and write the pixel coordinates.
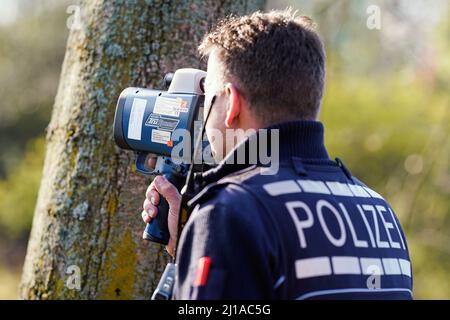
(386, 111)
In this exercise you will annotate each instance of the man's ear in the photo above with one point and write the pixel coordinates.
(234, 105)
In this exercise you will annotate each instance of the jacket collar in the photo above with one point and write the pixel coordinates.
(302, 139)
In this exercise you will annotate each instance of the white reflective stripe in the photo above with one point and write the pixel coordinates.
(339, 189)
(346, 265)
(323, 187)
(312, 267)
(281, 187)
(313, 186)
(391, 266)
(358, 191)
(371, 266)
(405, 265)
(373, 194)
(351, 290)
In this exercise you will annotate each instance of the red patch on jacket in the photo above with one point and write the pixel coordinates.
(202, 271)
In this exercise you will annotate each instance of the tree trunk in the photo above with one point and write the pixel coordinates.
(86, 237)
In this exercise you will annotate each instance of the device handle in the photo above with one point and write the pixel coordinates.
(158, 230)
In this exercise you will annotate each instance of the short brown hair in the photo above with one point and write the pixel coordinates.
(276, 60)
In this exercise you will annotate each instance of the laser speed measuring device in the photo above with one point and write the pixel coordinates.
(156, 122)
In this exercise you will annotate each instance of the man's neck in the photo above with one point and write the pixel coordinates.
(302, 139)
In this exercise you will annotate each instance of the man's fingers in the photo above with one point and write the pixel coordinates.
(173, 226)
(151, 161)
(151, 188)
(166, 189)
(146, 217)
(153, 197)
(170, 248)
(173, 214)
(161, 187)
(150, 208)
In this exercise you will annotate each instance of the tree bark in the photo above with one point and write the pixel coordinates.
(88, 211)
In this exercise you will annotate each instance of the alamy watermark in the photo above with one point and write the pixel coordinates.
(374, 19)
(73, 281)
(256, 147)
(374, 280)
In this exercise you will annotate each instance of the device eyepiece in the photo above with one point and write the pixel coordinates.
(168, 79)
(202, 84)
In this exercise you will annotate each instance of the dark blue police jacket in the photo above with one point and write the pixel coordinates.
(310, 231)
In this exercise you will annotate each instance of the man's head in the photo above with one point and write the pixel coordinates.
(264, 68)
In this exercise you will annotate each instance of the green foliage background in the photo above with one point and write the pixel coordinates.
(386, 113)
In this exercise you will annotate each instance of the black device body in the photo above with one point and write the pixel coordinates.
(146, 121)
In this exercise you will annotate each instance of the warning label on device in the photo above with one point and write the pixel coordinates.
(170, 106)
(160, 136)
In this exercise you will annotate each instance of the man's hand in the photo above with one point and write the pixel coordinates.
(161, 187)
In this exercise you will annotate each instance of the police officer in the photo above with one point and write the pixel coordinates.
(304, 230)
